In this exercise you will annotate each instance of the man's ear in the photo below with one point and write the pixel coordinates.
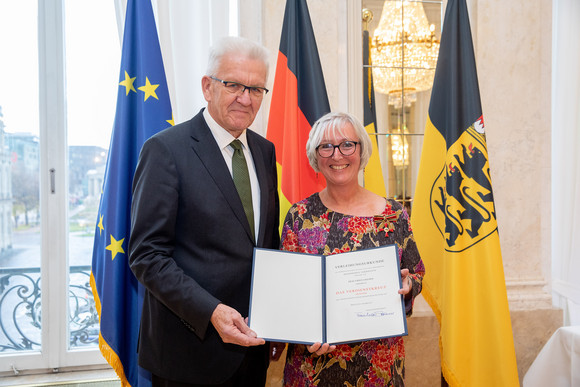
(206, 87)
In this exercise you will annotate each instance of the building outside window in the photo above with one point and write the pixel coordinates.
(57, 105)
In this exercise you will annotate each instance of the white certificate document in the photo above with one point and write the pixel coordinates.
(348, 297)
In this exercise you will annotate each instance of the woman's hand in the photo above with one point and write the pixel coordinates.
(320, 349)
(407, 283)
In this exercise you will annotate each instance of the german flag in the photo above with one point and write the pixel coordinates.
(373, 172)
(454, 222)
(298, 100)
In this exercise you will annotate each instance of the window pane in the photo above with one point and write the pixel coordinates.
(20, 319)
(404, 48)
(92, 59)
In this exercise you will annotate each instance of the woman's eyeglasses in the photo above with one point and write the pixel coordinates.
(347, 148)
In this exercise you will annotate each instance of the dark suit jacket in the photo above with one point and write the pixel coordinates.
(190, 246)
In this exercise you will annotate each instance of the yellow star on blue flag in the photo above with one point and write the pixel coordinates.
(128, 83)
(100, 225)
(149, 89)
(115, 247)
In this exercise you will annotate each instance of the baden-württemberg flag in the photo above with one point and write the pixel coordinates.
(373, 172)
(298, 100)
(454, 222)
(143, 109)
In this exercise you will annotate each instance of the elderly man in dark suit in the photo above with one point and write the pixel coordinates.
(195, 219)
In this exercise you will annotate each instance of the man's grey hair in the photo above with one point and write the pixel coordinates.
(237, 46)
(334, 123)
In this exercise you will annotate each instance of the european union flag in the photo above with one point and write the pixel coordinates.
(143, 109)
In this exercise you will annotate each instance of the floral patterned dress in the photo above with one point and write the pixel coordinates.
(310, 227)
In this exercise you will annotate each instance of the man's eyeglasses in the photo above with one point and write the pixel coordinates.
(239, 89)
(347, 148)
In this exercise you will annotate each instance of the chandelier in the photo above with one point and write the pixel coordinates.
(400, 148)
(404, 52)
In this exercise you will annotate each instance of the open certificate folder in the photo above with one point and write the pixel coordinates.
(347, 297)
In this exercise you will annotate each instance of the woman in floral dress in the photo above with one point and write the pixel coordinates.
(346, 217)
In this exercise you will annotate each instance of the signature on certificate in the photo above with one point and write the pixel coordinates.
(378, 313)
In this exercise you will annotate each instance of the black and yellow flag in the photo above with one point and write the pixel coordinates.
(373, 173)
(454, 222)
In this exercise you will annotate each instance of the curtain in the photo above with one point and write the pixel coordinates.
(186, 31)
(566, 158)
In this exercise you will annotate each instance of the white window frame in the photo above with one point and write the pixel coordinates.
(54, 355)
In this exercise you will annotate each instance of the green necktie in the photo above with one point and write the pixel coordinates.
(242, 181)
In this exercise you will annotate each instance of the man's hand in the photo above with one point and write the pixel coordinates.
(231, 327)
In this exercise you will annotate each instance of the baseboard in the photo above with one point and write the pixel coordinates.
(93, 378)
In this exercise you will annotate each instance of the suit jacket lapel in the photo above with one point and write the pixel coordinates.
(206, 148)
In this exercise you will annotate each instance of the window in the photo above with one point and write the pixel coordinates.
(403, 39)
(59, 74)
